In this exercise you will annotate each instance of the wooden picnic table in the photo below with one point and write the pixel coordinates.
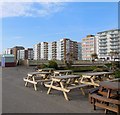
(93, 78)
(65, 83)
(107, 96)
(35, 77)
(113, 88)
(62, 72)
(46, 70)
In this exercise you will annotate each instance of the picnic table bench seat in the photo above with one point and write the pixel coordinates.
(36, 81)
(100, 101)
(68, 88)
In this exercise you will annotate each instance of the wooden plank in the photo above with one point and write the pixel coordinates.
(105, 99)
(59, 88)
(89, 83)
(43, 80)
(64, 92)
(33, 82)
(77, 86)
(105, 93)
(86, 76)
(112, 80)
(56, 79)
(106, 107)
(55, 87)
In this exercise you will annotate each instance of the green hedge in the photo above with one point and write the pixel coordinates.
(83, 68)
(53, 64)
(117, 74)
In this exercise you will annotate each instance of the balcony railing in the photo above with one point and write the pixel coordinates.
(114, 40)
(102, 38)
(102, 45)
(103, 48)
(103, 52)
(102, 41)
(114, 44)
(114, 48)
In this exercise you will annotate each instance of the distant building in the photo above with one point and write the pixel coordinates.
(58, 50)
(79, 51)
(37, 51)
(44, 50)
(52, 50)
(49, 50)
(108, 41)
(15, 49)
(88, 47)
(8, 51)
(69, 49)
(25, 54)
(8, 60)
(41, 51)
(30, 55)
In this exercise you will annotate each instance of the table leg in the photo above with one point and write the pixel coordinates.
(82, 91)
(92, 81)
(50, 87)
(65, 95)
(81, 81)
(26, 83)
(34, 84)
(108, 95)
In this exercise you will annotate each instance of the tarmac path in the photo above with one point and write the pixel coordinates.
(16, 98)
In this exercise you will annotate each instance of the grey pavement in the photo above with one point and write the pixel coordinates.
(16, 98)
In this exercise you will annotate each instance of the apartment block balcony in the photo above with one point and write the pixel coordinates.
(114, 48)
(102, 34)
(102, 41)
(103, 48)
(102, 45)
(114, 36)
(114, 40)
(103, 53)
(113, 33)
(114, 44)
(102, 38)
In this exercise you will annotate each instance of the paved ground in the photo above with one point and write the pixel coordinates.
(16, 98)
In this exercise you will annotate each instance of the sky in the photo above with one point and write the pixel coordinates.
(28, 23)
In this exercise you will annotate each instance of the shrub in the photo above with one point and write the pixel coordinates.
(41, 66)
(108, 65)
(52, 64)
(117, 74)
(83, 68)
(98, 70)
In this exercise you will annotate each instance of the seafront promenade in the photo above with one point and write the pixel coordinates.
(16, 98)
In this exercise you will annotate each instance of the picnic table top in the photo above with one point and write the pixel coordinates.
(47, 69)
(34, 73)
(67, 76)
(96, 73)
(110, 85)
(63, 71)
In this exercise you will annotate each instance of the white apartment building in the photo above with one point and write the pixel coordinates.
(59, 57)
(108, 41)
(37, 51)
(49, 50)
(30, 54)
(8, 51)
(44, 50)
(41, 51)
(20, 54)
(79, 51)
(68, 49)
(58, 50)
(25, 54)
(88, 47)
